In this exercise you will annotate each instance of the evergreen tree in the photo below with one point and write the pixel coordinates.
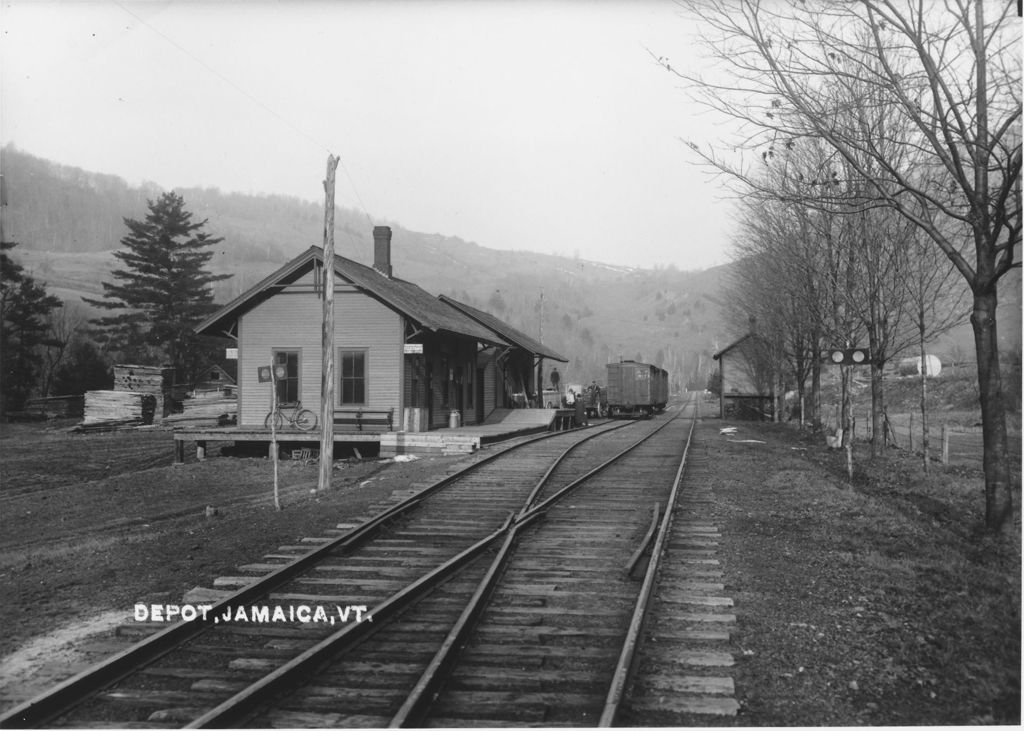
(163, 291)
(84, 370)
(24, 306)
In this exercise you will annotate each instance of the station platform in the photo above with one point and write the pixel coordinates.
(500, 424)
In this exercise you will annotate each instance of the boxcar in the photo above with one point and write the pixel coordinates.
(636, 389)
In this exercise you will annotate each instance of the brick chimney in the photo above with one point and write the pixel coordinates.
(382, 250)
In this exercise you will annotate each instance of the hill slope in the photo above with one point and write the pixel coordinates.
(69, 222)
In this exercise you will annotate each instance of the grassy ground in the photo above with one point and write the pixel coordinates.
(876, 601)
(880, 601)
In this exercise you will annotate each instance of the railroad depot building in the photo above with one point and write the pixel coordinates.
(404, 360)
(523, 356)
(746, 390)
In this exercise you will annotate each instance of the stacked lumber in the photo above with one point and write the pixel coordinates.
(102, 426)
(56, 406)
(143, 379)
(155, 380)
(123, 406)
(203, 411)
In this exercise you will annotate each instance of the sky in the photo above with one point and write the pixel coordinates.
(544, 126)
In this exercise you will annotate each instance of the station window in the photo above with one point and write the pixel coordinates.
(352, 377)
(288, 387)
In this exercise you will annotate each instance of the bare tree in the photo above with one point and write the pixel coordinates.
(949, 73)
(774, 284)
(937, 305)
(62, 325)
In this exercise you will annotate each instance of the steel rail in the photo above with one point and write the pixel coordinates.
(627, 658)
(554, 497)
(63, 697)
(417, 703)
(635, 558)
(66, 695)
(416, 707)
(245, 702)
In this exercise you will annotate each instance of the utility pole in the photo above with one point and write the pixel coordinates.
(3, 204)
(540, 361)
(541, 338)
(327, 335)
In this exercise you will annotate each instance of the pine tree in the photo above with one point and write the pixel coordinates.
(163, 291)
(24, 306)
(85, 369)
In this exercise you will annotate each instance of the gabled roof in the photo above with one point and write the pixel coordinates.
(404, 297)
(727, 348)
(223, 370)
(506, 331)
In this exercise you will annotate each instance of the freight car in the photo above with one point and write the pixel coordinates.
(636, 389)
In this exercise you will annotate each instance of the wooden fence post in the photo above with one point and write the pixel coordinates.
(945, 444)
(911, 431)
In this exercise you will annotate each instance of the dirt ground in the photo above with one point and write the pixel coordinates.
(880, 601)
(876, 602)
(90, 524)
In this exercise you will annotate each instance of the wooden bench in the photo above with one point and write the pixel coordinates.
(360, 417)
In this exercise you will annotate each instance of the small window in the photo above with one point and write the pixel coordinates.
(352, 377)
(287, 387)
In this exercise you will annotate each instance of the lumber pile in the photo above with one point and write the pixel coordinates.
(50, 407)
(155, 380)
(104, 426)
(119, 406)
(143, 379)
(203, 411)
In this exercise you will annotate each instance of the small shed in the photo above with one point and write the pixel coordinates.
(214, 378)
(746, 390)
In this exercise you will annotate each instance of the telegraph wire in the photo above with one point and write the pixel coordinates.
(251, 98)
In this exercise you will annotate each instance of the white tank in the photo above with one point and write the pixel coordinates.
(912, 366)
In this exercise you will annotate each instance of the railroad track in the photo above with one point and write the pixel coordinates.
(489, 585)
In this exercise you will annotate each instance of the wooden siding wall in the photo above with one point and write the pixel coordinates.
(292, 321)
(521, 365)
(491, 387)
(443, 353)
(415, 370)
(737, 374)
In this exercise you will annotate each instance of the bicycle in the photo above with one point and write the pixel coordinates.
(303, 419)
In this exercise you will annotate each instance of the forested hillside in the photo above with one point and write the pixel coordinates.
(68, 222)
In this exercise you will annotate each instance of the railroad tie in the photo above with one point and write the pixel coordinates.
(686, 659)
